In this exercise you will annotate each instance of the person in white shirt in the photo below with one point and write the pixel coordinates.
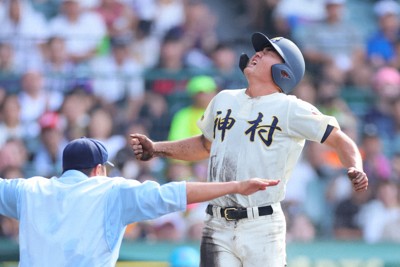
(117, 76)
(82, 30)
(25, 29)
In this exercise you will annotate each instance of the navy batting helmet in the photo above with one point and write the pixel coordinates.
(289, 73)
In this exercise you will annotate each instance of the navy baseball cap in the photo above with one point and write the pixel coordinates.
(84, 153)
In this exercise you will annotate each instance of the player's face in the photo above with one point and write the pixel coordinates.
(262, 61)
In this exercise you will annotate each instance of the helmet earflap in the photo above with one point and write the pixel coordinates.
(283, 77)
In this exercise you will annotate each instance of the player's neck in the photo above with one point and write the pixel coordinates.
(261, 89)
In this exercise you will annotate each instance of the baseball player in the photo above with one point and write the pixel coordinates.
(256, 131)
(76, 221)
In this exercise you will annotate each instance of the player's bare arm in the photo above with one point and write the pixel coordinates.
(190, 149)
(350, 157)
(200, 192)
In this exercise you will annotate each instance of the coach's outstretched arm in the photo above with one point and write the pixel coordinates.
(200, 192)
(350, 157)
(190, 149)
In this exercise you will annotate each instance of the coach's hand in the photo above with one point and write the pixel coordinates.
(142, 146)
(358, 179)
(255, 184)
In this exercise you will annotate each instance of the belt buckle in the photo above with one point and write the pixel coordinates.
(226, 214)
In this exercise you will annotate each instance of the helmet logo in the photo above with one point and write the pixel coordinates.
(284, 74)
(276, 39)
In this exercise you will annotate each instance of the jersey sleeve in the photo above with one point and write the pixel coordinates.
(206, 122)
(305, 121)
(149, 200)
(9, 195)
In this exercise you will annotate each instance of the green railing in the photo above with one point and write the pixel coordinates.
(314, 254)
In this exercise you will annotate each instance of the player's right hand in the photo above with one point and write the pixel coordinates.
(142, 146)
(253, 185)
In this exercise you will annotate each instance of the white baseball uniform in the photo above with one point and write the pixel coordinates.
(254, 137)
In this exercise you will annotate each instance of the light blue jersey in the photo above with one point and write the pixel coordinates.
(77, 221)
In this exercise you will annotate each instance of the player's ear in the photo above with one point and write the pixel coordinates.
(98, 170)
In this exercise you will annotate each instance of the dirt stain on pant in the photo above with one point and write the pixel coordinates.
(208, 250)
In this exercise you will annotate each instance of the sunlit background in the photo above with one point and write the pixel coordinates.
(107, 68)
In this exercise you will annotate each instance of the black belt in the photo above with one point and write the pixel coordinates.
(237, 213)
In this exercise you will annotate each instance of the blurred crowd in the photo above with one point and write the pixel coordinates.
(107, 68)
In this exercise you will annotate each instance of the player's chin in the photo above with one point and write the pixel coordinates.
(248, 70)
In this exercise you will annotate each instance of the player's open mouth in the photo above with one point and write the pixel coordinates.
(253, 63)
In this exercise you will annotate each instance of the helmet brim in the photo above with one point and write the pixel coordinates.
(261, 41)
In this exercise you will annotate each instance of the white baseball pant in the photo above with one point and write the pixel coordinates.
(251, 242)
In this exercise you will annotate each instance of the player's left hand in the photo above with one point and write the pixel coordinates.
(358, 179)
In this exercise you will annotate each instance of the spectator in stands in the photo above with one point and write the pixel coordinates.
(194, 218)
(25, 29)
(200, 33)
(170, 228)
(287, 15)
(201, 89)
(306, 90)
(329, 100)
(10, 122)
(297, 188)
(357, 91)
(119, 18)
(145, 9)
(75, 111)
(169, 14)
(102, 127)
(14, 154)
(225, 69)
(48, 8)
(391, 231)
(395, 143)
(319, 40)
(59, 71)
(170, 75)
(301, 229)
(157, 114)
(35, 100)
(118, 80)
(345, 224)
(10, 68)
(316, 204)
(261, 15)
(47, 160)
(386, 85)
(82, 30)
(126, 164)
(381, 45)
(395, 161)
(376, 164)
(380, 212)
(332, 73)
(177, 170)
(145, 47)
